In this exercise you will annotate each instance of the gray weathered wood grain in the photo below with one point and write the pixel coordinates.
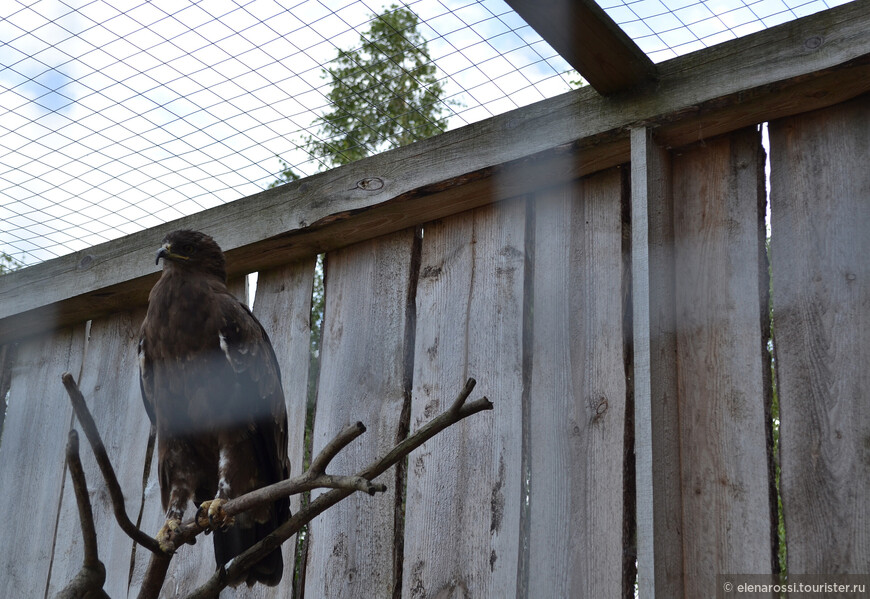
(578, 392)
(464, 486)
(798, 66)
(32, 459)
(820, 243)
(718, 199)
(361, 379)
(643, 192)
(7, 359)
(110, 384)
(283, 306)
(654, 183)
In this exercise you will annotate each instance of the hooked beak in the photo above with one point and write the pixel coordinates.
(163, 252)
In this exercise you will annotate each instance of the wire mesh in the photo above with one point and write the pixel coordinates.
(117, 115)
(665, 29)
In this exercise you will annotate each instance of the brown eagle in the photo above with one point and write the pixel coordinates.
(211, 386)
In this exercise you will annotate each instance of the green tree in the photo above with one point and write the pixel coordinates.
(384, 94)
(286, 175)
(8, 263)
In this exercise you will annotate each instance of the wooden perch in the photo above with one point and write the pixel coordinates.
(236, 568)
(89, 581)
(313, 478)
(90, 429)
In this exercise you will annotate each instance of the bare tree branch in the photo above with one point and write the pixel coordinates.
(155, 576)
(237, 567)
(90, 579)
(314, 477)
(319, 463)
(90, 429)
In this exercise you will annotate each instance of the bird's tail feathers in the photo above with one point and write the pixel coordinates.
(235, 540)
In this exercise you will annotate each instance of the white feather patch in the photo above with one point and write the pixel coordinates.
(225, 347)
(223, 464)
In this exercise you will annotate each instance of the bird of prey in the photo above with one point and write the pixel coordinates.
(212, 388)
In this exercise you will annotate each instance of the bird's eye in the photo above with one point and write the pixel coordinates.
(187, 249)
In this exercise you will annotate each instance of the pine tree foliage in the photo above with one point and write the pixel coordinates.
(385, 94)
(8, 263)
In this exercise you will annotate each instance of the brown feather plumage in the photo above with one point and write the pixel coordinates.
(211, 385)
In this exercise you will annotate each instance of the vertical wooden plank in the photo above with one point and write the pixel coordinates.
(283, 306)
(578, 392)
(718, 199)
(361, 379)
(110, 384)
(238, 286)
(820, 207)
(32, 459)
(464, 487)
(641, 171)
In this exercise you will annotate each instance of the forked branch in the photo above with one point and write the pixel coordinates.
(89, 581)
(90, 429)
(315, 477)
(240, 564)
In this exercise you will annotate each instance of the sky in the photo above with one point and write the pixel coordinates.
(118, 115)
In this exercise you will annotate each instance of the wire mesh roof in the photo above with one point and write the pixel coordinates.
(117, 115)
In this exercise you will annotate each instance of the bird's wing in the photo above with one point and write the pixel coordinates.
(246, 345)
(146, 377)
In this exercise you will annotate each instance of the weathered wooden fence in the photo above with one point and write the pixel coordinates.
(599, 266)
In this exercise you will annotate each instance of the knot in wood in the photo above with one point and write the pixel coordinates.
(600, 409)
(814, 42)
(86, 261)
(370, 184)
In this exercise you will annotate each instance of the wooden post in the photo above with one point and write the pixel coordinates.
(651, 179)
(641, 147)
(656, 419)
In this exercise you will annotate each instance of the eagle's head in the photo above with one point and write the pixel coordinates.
(192, 251)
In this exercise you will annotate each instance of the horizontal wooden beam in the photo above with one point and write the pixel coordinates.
(800, 66)
(584, 35)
